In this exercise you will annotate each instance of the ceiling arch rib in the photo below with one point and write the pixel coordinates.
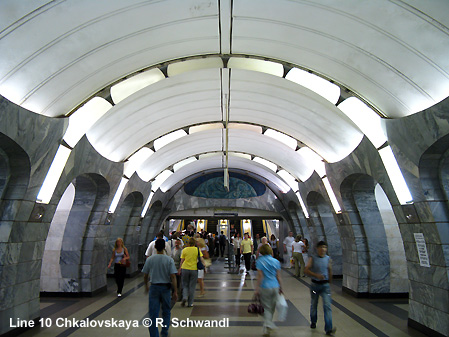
(67, 68)
(295, 110)
(239, 141)
(215, 162)
(332, 39)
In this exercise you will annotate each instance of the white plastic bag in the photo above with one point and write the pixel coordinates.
(281, 308)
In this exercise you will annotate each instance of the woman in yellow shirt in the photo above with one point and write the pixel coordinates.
(189, 274)
(246, 248)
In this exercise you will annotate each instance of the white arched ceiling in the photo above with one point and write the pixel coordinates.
(165, 106)
(390, 52)
(216, 162)
(56, 55)
(297, 111)
(252, 143)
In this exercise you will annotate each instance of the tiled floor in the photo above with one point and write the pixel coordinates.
(227, 296)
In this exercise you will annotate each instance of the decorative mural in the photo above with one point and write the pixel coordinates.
(211, 186)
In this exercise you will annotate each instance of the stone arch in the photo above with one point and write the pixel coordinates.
(82, 238)
(370, 215)
(125, 224)
(324, 227)
(155, 223)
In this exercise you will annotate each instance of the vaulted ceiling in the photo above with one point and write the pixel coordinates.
(287, 83)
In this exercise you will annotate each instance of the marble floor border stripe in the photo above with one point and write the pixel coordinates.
(345, 310)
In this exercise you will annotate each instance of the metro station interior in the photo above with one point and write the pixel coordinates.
(329, 119)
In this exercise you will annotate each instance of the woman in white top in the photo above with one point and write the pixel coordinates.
(237, 240)
(274, 243)
(297, 248)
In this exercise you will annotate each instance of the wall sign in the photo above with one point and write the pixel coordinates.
(422, 250)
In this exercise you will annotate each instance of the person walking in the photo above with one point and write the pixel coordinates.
(119, 257)
(319, 268)
(237, 241)
(269, 285)
(288, 241)
(160, 270)
(274, 243)
(189, 271)
(297, 248)
(176, 255)
(246, 248)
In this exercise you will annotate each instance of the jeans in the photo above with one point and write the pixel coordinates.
(268, 298)
(159, 296)
(189, 278)
(323, 290)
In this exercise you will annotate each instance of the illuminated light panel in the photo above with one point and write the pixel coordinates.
(319, 85)
(167, 139)
(204, 127)
(289, 179)
(133, 84)
(282, 137)
(365, 118)
(262, 66)
(395, 174)
(134, 162)
(316, 161)
(266, 163)
(177, 68)
(147, 204)
(240, 155)
(53, 175)
(246, 224)
(118, 194)
(210, 154)
(243, 126)
(182, 163)
(331, 194)
(83, 118)
(303, 205)
(159, 180)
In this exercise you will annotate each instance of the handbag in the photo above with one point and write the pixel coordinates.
(199, 264)
(256, 307)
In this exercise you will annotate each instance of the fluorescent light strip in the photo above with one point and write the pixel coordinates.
(303, 205)
(331, 194)
(147, 204)
(395, 174)
(53, 175)
(118, 194)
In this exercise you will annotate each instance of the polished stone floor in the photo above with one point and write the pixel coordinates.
(227, 296)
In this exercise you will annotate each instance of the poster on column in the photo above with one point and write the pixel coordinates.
(422, 250)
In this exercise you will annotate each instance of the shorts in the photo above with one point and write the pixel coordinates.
(201, 273)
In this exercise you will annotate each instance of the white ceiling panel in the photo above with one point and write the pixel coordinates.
(216, 162)
(372, 47)
(165, 106)
(297, 111)
(79, 47)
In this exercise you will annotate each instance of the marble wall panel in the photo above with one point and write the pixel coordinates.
(5, 230)
(428, 316)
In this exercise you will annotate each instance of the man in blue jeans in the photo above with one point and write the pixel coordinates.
(319, 268)
(160, 270)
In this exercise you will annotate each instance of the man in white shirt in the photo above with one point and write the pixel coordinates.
(288, 241)
(151, 250)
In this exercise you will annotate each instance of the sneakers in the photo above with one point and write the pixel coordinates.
(119, 295)
(331, 332)
(312, 325)
(190, 306)
(183, 303)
